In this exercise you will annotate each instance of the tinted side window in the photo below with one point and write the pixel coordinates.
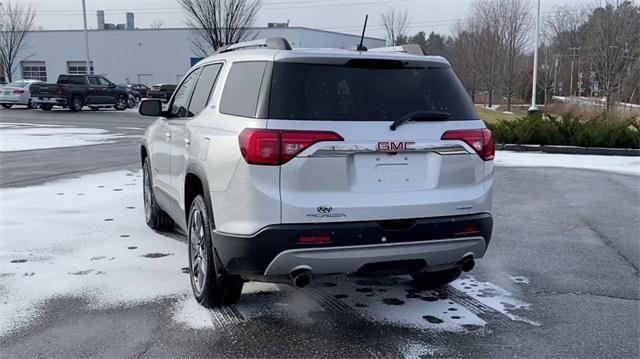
(204, 88)
(241, 90)
(183, 94)
(94, 80)
(103, 81)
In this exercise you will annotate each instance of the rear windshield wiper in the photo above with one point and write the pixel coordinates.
(420, 116)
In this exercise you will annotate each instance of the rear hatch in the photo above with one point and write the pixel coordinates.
(375, 172)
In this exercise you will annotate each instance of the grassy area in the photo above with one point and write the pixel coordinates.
(491, 116)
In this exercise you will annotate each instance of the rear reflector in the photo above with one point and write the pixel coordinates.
(314, 239)
(479, 139)
(465, 230)
(277, 147)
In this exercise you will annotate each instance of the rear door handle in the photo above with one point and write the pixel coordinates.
(187, 142)
(167, 136)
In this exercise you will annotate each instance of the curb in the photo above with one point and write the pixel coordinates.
(573, 150)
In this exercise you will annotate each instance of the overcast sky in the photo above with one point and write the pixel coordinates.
(337, 15)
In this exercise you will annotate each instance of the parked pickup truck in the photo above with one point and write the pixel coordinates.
(76, 91)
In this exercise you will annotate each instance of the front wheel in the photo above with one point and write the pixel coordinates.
(6, 105)
(435, 280)
(46, 107)
(121, 104)
(76, 104)
(212, 286)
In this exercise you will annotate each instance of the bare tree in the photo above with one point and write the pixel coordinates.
(516, 18)
(614, 33)
(217, 23)
(156, 24)
(16, 20)
(395, 23)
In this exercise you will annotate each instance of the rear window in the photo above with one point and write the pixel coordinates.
(17, 84)
(360, 92)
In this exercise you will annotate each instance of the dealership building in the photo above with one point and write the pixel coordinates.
(123, 53)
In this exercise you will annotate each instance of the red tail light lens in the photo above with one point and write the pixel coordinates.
(314, 239)
(277, 147)
(17, 91)
(60, 90)
(479, 139)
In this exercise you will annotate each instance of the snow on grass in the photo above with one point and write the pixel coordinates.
(628, 165)
(14, 137)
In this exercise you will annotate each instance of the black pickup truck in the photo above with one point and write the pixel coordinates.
(76, 91)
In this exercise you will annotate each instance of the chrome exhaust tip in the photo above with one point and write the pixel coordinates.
(467, 264)
(301, 279)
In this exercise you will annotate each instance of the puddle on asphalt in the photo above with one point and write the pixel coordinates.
(156, 255)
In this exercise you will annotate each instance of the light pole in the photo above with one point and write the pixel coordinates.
(86, 36)
(533, 109)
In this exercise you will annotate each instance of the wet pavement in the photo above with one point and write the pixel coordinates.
(560, 278)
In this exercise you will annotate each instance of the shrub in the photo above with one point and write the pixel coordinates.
(542, 129)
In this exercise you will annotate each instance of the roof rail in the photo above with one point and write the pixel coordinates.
(277, 43)
(413, 49)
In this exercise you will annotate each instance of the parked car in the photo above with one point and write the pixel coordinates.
(76, 91)
(134, 96)
(141, 88)
(283, 164)
(161, 91)
(17, 93)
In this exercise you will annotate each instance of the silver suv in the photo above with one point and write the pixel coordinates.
(282, 164)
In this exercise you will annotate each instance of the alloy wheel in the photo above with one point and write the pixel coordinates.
(197, 250)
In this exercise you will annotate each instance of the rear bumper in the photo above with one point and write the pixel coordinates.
(275, 251)
(61, 101)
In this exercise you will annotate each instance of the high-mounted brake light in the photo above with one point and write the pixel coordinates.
(479, 139)
(277, 147)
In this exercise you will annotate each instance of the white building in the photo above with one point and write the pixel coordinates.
(146, 56)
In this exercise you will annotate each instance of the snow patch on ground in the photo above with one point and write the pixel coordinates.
(494, 297)
(519, 279)
(628, 165)
(83, 237)
(14, 137)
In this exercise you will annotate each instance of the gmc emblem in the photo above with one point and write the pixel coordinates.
(392, 146)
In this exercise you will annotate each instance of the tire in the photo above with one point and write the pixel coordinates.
(121, 104)
(93, 108)
(6, 105)
(76, 104)
(30, 105)
(435, 280)
(131, 103)
(155, 217)
(46, 107)
(211, 286)
(137, 99)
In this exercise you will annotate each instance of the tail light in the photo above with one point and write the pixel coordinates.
(277, 147)
(60, 90)
(17, 91)
(479, 139)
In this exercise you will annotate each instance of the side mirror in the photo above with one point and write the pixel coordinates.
(111, 85)
(150, 107)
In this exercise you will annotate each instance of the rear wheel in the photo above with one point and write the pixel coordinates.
(121, 104)
(211, 285)
(155, 217)
(131, 103)
(46, 107)
(435, 280)
(6, 105)
(76, 104)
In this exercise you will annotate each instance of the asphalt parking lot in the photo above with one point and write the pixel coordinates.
(81, 275)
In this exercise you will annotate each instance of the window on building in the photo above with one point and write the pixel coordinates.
(78, 67)
(34, 70)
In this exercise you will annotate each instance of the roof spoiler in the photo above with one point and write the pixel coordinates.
(276, 43)
(413, 49)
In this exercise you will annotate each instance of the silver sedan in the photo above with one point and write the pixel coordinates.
(17, 93)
